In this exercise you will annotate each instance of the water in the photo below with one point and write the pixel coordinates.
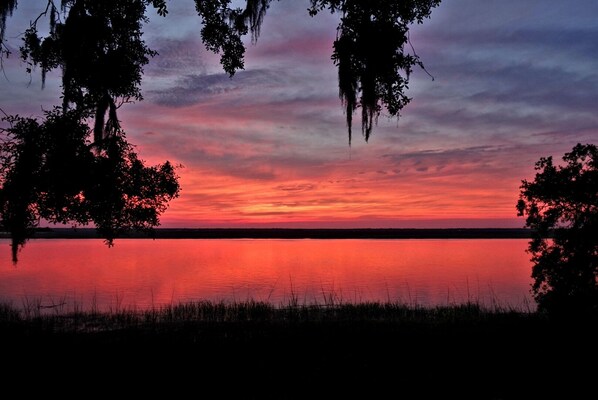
(67, 274)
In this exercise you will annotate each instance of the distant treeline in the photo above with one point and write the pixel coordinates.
(293, 233)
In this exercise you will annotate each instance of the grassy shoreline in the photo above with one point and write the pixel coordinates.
(252, 349)
(251, 310)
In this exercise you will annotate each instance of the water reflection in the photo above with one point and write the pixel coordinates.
(142, 273)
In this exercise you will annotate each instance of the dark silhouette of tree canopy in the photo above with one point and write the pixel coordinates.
(561, 206)
(50, 170)
(99, 47)
(374, 73)
(75, 166)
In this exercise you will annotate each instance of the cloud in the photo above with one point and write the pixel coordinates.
(176, 57)
(513, 81)
(195, 89)
(506, 71)
(299, 187)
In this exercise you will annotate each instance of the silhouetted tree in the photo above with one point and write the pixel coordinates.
(369, 51)
(6, 9)
(561, 206)
(99, 47)
(51, 171)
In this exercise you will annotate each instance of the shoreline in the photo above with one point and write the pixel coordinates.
(291, 233)
(248, 350)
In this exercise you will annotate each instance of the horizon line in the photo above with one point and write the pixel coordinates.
(288, 233)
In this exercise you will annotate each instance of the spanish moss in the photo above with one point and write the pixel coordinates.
(6, 9)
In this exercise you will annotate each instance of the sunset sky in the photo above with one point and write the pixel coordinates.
(512, 81)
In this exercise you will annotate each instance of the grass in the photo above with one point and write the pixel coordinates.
(33, 313)
(253, 349)
(332, 308)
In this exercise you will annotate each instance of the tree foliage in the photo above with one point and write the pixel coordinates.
(369, 51)
(51, 171)
(561, 205)
(6, 9)
(76, 166)
(100, 50)
(99, 47)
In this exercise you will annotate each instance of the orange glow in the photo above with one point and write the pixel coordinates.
(224, 198)
(253, 164)
(269, 146)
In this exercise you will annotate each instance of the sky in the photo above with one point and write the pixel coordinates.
(507, 82)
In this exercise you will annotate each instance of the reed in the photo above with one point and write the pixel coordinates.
(58, 316)
(330, 349)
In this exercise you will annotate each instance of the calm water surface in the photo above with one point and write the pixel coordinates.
(143, 273)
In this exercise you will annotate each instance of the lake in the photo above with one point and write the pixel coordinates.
(68, 274)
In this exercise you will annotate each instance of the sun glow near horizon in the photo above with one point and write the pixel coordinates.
(269, 146)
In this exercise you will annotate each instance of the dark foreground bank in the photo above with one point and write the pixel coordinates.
(256, 351)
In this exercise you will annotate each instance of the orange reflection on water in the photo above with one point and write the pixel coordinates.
(141, 273)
